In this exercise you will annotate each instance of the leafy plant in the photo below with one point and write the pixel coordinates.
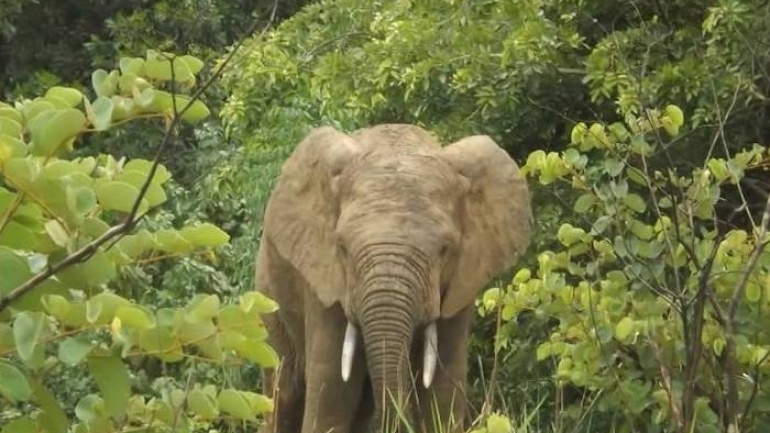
(70, 226)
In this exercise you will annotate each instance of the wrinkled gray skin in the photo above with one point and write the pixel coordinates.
(385, 230)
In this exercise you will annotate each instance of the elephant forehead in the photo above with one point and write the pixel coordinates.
(402, 175)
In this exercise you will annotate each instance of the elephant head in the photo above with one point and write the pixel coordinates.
(399, 231)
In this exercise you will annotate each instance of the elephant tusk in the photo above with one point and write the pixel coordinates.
(430, 355)
(348, 349)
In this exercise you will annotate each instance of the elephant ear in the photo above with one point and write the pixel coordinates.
(495, 222)
(302, 211)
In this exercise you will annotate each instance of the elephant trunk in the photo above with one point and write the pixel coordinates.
(388, 321)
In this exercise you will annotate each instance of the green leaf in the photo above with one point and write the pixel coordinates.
(144, 166)
(635, 203)
(10, 127)
(101, 308)
(135, 316)
(27, 330)
(259, 352)
(155, 194)
(256, 302)
(20, 425)
(675, 114)
(55, 128)
(74, 349)
(13, 383)
(158, 66)
(205, 235)
(233, 402)
(112, 377)
(52, 417)
(15, 270)
(498, 424)
(100, 113)
(71, 97)
(131, 65)
(203, 307)
(584, 203)
(116, 195)
(172, 242)
(196, 112)
(80, 200)
(193, 63)
(569, 235)
(57, 232)
(104, 83)
(259, 403)
(203, 404)
(22, 172)
(624, 329)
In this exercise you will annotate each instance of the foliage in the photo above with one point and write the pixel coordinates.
(527, 73)
(661, 310)
(69, 227)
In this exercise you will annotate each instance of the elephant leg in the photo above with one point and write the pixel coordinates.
(285, 383)
(330, 403)
(443, 406)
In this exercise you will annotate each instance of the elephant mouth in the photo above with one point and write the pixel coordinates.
(429, 359)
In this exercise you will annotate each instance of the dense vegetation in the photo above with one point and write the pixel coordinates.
(641, 126)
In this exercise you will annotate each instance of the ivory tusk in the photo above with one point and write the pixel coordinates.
(430, 355)
(348, 350)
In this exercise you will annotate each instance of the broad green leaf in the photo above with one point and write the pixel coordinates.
(193, 63)
(100, 113)
(27, 330)
(31, 109)
(235, 403)
(675, 114)
(144, 166)
(80, 200)
(172, 242)
(584, 203)
(92, 273)
(10, 127)
(52, 417)
(259, 352)
(256, 302)
(13, 383)
(72, 97)
(11, 147)
(498, 424)
(112, 377)
(624, 329)
(11, 113)
(120, 196)
(94, 227)
(74, 349)
(135, 316)
(203, 404)
(101, 308)
(196, 112)
(259, 403)
(131, 65)
(205, 235)
(569, 235)
(158, 66)
(203, 307)
(122, 107)
(57, 232)
(635, 203)
(104, 83)
(14, 268)
(22, 172)
(20, 425)
(155, 194)
(54, 128)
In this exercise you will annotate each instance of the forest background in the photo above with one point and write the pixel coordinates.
(127, 243)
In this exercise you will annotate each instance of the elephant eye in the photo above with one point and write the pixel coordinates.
(444, 249)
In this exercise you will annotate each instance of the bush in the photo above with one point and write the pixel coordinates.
(70, 229)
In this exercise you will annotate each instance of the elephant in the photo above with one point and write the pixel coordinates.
(375, 245)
